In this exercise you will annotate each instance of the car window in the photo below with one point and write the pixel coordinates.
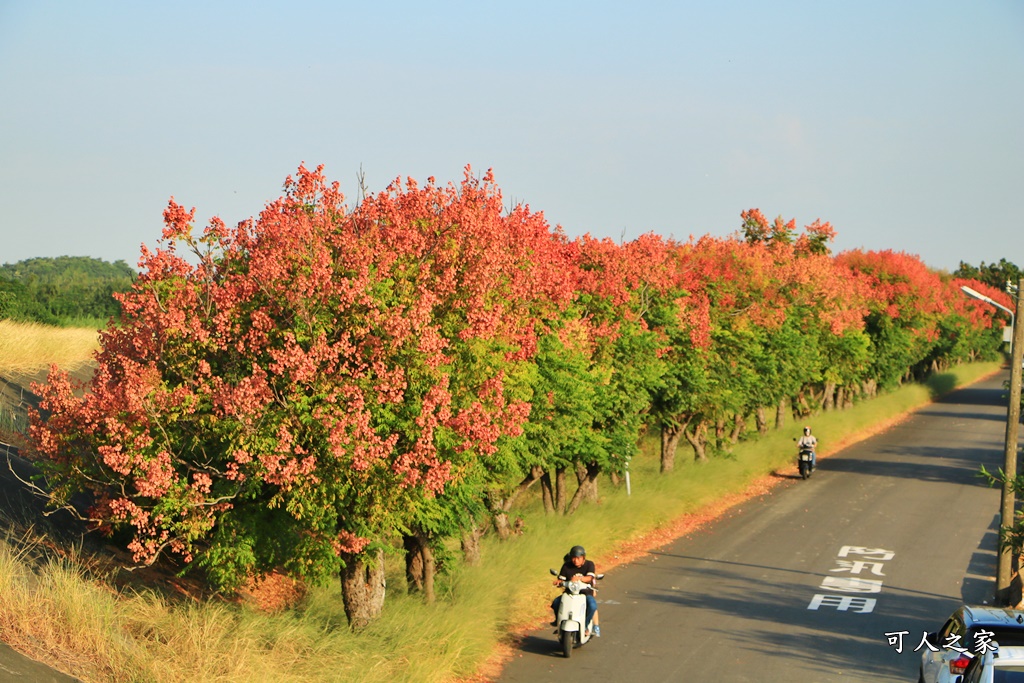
(1008, 674)
(990, 637)
(1006, 636)
(946, 629)
(954, 634)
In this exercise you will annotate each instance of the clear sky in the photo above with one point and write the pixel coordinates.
(900, 121)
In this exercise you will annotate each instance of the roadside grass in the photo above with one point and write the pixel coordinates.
(57, 612)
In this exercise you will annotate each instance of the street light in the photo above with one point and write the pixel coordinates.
(1007, 502)
(981, 297)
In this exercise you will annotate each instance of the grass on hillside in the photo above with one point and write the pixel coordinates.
(27, 350)
(60, 614)
(29, 347)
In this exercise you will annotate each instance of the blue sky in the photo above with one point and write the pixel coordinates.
(901, 122)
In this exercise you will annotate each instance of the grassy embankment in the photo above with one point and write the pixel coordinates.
(26, 351)
(58, 614)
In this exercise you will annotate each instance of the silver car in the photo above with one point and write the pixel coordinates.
(970, 630)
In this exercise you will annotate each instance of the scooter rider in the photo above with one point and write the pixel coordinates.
(809, 442)
(576, 566)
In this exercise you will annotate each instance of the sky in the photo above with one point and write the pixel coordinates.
(901, 123)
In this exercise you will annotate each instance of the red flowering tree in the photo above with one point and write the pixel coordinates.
(908, 301)
(596, 362)
(291, 398)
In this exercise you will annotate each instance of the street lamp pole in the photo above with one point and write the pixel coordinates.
(1007, 502)
(974, 294)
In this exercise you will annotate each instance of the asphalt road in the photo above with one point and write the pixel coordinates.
(17, 668)
(803, 584)
(23, 510)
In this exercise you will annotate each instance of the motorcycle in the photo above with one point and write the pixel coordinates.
(572, 611)
(805, 461)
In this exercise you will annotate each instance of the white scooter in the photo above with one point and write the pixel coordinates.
(572, 611)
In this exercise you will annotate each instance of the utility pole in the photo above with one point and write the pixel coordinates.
(1007, 504)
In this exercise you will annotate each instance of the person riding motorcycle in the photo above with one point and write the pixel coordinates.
(807, 441)
(575, 565)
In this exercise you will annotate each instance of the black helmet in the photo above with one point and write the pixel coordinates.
(807, 431)
(577, 551)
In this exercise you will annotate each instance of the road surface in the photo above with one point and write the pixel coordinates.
(803, 584)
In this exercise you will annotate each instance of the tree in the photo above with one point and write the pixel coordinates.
(901, 312)
(290, 400)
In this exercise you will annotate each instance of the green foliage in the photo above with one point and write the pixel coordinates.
(563, 410)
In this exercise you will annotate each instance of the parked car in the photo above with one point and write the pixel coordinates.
(1004, 665)
(969, 630)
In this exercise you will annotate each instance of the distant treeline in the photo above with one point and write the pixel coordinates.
(993, 274)
(68, 291)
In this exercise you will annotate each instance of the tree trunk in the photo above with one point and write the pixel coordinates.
(500, 508)
(780, 414)
(560, 492)
(739, 425)
(870, 388)
(761, 419)
(698, 440)
(848, 397)
(429, 568)
(828, 396)
(585, 481)
(471, 545)
(420, 566)
(587, 488)
(801, 408)
(548, 494)
(362, 588)
(669, 442)
(413, 563)
(501, 525)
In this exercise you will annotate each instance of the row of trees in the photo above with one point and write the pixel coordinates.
(68, 290)
(304, 389)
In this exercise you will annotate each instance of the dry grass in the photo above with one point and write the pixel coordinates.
(30, 347)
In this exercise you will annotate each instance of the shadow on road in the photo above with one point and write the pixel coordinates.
(790, 629)
(721, 574)
(979, 576)
(536, 645)
(960, 470)
(976, 396)
(992, 417)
